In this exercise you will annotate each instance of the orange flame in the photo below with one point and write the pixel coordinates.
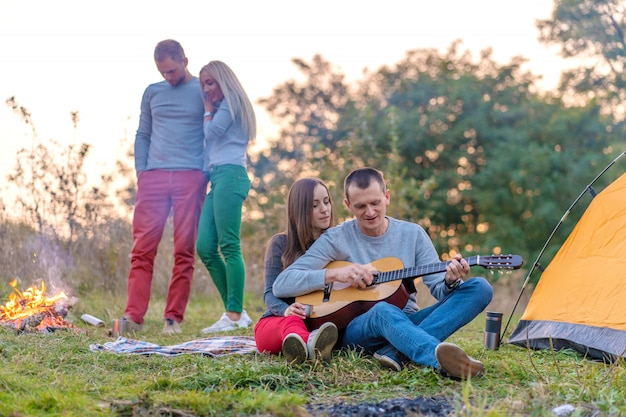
(32, 301)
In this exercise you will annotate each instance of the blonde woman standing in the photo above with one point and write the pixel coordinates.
(229, 126)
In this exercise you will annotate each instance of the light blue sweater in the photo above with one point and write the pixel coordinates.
(406, 241)
(170, 133)
(226, 140)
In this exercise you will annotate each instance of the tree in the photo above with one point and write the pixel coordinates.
(307, 113)
(469, 149)
(592, 30)
(52, 185)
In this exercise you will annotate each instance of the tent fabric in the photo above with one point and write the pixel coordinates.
(580, 300)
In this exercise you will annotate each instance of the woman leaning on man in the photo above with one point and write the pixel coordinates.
(282, 327)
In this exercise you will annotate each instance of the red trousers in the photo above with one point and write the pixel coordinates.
(158, 192)
(270, 332)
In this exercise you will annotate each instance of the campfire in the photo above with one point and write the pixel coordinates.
(31, 310)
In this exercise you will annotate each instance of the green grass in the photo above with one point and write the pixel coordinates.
(56, 374)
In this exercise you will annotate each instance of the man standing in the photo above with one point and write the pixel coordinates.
(169, 147)
(385, 330)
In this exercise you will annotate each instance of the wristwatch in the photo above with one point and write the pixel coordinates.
(207, 113)
(454, 285)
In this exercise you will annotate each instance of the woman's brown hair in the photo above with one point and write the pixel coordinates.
(299, 214)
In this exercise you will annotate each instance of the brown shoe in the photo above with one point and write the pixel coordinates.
(171, 327)
(455, 363)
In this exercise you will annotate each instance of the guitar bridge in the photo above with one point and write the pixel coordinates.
(327, 289)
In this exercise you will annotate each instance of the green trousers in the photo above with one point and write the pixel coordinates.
(219, 233)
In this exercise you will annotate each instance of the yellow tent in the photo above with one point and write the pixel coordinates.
(580, 300)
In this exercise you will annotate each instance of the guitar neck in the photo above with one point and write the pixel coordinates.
(418, 271)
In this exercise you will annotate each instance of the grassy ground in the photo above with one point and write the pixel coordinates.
(56, 374)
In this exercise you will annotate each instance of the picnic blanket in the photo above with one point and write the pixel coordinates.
(211, 346)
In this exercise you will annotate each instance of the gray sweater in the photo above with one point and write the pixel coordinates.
(403, 240)
(170, 133)
(226, 140)
(273, 266)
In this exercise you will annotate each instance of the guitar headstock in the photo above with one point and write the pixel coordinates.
(501, 261)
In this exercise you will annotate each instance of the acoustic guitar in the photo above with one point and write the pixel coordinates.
(340, 303)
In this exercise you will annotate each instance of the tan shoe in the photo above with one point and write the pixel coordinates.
(294, 349)
(171, 327)
(322, 341)
(455, 363)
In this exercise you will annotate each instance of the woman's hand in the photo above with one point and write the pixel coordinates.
(208, 105)
(296, 309)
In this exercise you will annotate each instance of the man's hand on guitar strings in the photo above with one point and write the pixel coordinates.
(358, 276)
(456, 269)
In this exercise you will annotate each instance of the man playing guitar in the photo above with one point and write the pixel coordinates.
(386, 330)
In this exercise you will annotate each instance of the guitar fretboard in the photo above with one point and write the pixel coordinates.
(418, 271)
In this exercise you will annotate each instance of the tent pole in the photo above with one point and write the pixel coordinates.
(567, 212)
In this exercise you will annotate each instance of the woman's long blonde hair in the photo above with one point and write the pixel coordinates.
(234, 94)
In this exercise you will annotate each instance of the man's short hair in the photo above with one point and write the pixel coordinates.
(362, 178)
(169, 48)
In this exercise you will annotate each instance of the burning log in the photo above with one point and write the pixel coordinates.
(30, 310)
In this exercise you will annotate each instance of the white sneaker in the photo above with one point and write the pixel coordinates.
(224, 324)
(245, 320)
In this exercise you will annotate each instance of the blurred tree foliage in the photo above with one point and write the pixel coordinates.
(593, 32)
(63, 228)
(470, 150)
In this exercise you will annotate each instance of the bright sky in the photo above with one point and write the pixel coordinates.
(95, 56)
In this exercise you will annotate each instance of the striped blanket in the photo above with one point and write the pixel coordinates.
(211, 346)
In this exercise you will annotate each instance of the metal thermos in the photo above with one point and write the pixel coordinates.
(119, 326)
(492, 330)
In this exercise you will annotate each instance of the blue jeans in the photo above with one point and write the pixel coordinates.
(416, 335)
(219, 244)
